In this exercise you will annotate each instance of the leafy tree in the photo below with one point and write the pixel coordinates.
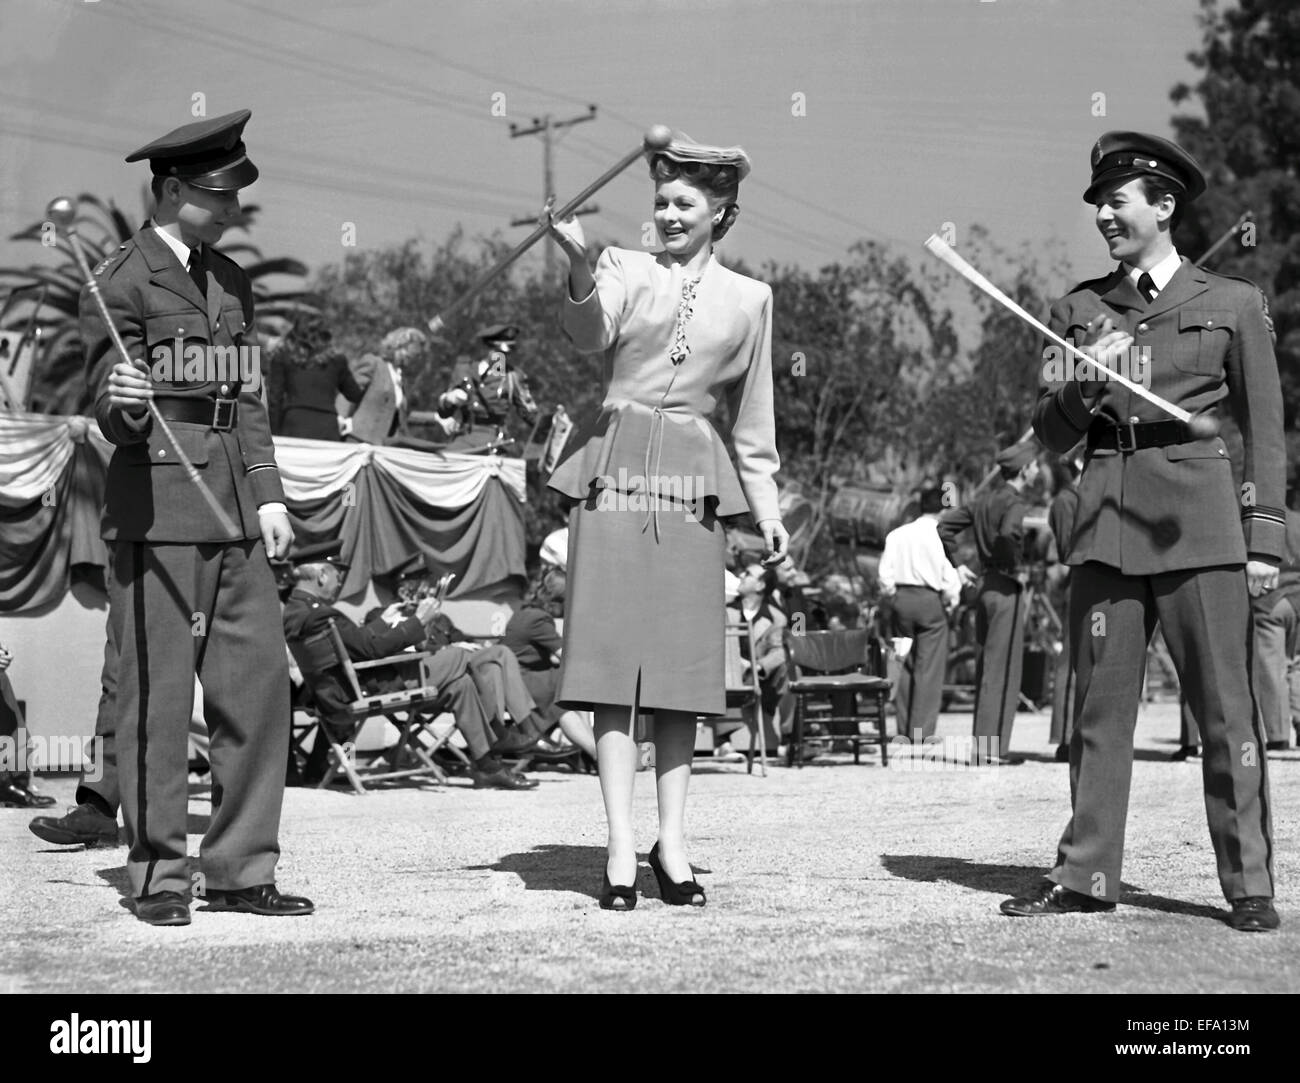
(1248, 143)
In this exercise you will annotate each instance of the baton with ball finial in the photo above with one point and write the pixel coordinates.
(656, 138)
(63, 213)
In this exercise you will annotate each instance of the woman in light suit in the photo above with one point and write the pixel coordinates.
(650, 478)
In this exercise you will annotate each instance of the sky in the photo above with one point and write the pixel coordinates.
(880, 119)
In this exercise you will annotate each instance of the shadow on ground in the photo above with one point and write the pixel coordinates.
(565, 868)
(1012, 880)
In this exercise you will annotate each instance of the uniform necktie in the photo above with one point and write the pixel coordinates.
(1148, 287)
(197, 274)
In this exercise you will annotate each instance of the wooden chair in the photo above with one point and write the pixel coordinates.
(411, 710)
(835, 690)
(743, 691)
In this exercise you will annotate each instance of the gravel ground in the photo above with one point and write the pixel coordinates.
(831, 878)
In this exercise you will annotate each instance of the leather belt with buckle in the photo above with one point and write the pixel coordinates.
(220, 415)
(1130, 436)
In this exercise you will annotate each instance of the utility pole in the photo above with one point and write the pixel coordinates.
(545, 126)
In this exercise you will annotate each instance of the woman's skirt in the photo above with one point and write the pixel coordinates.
(643, 619)
(309, 423)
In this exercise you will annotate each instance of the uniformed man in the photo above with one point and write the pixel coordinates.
(318, 574)
(484, 393)
(1162, 531)
(192, 593)
(1062, 514)
(1276, 622)
(997, 521)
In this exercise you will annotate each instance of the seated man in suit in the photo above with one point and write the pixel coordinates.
(493, 667)
(319, 573)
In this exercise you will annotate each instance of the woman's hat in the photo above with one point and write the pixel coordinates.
(685, 149)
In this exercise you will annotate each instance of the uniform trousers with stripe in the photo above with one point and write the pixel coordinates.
(1000, 633)
(1205, 614)
(210, 609)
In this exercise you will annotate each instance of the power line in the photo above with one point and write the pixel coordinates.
(221, 38)
(418, 177)
(425, 54)
(545, 127)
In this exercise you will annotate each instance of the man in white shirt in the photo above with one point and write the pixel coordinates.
(923, 586)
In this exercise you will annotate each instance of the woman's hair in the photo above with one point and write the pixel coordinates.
(402, 344)
(720, 183)
(309, 343)
(547, 591)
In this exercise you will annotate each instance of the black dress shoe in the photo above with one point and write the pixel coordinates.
(1062, 753)
(13, 794)
(501, 778)
(262, 899)
(617, 896)
(515, 742)
(164, 908)
(686, 893)
(83, 825)
(1253, 915)
(1053, 898)
(1187, 752)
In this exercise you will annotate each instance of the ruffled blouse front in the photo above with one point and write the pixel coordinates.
(672, 348)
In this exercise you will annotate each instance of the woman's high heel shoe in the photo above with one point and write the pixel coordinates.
(687, 893)
(616, 896)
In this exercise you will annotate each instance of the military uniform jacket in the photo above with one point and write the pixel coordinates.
(154, 302)
(490, 406)
(305, 615)
(1172, 508)
(998, 523)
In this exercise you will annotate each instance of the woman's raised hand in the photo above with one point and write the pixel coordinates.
(567, 233)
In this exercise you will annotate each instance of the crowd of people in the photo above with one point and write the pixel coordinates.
(315, 392)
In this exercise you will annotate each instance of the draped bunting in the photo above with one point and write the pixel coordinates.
(395, 509)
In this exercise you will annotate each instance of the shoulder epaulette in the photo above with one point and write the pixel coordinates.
(1263, 297)
(109, 261)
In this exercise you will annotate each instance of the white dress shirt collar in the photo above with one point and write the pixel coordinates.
(182, 250)
(1161, 273)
